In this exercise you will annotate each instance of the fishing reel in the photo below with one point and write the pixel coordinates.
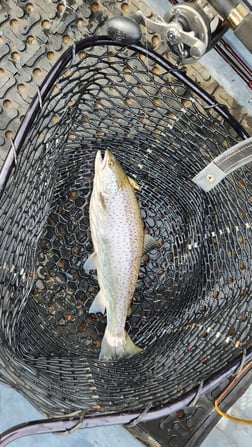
(190, 28)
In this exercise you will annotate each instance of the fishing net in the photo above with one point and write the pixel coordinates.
(191, 310)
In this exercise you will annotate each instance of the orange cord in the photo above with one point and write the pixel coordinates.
(224, 393)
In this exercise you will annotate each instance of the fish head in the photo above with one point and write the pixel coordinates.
(109, 175)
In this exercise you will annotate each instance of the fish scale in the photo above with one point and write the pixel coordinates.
(117, 235)
(123, 249)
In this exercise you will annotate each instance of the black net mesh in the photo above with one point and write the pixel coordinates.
(192, 304)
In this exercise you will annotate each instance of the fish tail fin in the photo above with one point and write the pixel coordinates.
(115, 348)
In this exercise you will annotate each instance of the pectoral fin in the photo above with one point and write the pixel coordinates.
(91, 263)
(129, 311)
(150, 243)
(134, 183)
(98, 305)
(102, 201)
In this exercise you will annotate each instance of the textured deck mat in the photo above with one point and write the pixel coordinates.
(34, 34)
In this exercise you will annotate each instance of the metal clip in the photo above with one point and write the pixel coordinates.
(227, 162)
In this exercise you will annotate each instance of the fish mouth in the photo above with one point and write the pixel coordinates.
(100, 162)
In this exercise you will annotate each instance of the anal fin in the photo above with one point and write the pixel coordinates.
(91, 263)
(98, 305)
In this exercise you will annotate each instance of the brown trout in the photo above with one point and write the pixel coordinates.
(118, 239)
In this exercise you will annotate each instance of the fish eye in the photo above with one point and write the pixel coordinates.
(111, 163)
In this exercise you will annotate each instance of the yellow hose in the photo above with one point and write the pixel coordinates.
(224, 393)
